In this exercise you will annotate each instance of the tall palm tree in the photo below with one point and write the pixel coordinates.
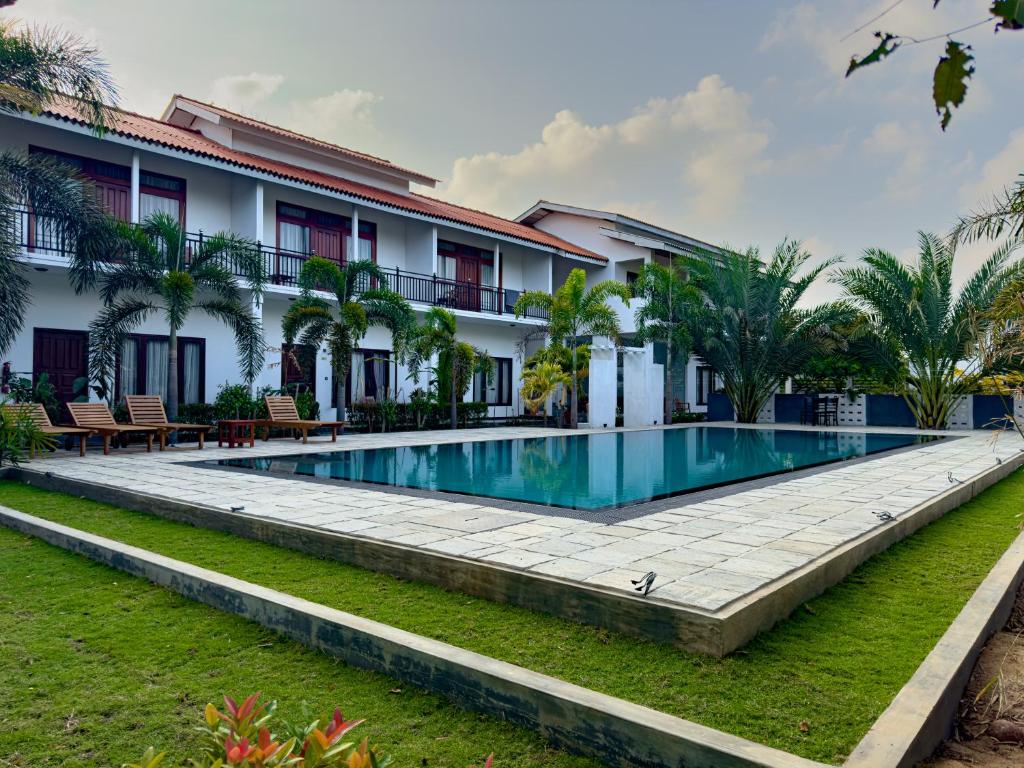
(37, 68)
(1003, 216)
(749, 328)
(574, 311)
(670, 299)
(457, 361)
(314, 321)
(920, 329)
(155, 268)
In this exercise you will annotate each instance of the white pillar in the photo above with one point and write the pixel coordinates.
(354, 240)
(135, 187)
(643, 387)
(433, 246)
(602, 383)
(551, 273)
(497, 263)
(258, 228)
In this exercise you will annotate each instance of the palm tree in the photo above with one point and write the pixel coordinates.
(156, 268)
(457, 361)
(748, 327)
(919, 329)
(38, 67)
(357, 305)
(540, 380)
(670, 300)
(574, 311)
(1004, 216)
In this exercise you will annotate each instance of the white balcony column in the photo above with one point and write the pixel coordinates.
(551, 273)
(496, 277)
(135, 187)
(354, 240)
(256, 307)
(433, 246)
(258, 229)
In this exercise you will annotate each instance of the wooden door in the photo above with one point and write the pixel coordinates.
(115, 198)
(64, 357)
(468, 276)
(326, 243)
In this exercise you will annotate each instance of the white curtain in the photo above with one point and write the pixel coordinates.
(358, 374)
(365, 249)
(448, 267)
(150, 204)
(487, 275)
(156, 368)
(128, 375)
(379, 371)
(294, 237)
(191, 362)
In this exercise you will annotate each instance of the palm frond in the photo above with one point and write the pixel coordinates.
(247, 329)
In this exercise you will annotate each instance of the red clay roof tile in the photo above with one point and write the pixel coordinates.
(136, 126)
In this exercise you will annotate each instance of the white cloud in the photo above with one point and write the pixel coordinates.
(1001, 171)
(904, 149)
(344, 116)
(696, 149)
(244, 92)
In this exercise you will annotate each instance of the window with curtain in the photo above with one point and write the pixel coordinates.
(499, 390)
(705, 383)
(128, 375)
(161, 194)
(448, 267)
(156, 368)
(369, 375)
(142, 367)
(293, 237)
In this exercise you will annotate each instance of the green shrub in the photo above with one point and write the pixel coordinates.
(234, 401)
(19, 436)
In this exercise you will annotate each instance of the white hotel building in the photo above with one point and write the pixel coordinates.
(217, 170)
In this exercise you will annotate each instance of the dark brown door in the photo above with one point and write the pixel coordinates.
(64, 357)
(468, 275)
(326, 243)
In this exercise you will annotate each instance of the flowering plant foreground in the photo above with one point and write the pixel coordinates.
(241, 737)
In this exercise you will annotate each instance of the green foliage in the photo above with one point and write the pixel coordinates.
(954, 69)
(20, 437)
(887, 45)
(919, 331)
(670, 300)
(540, 381)
(749, 327)
(154, 268)
(949, 86)
(314, 322)
(197, 413)
(235, 401)
(23, 391)
(573, 311)
(1010, 14)
(456, 360)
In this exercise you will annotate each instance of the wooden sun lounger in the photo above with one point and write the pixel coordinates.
(98, 419)
(148, 411)
(282, 413)
(38, 415)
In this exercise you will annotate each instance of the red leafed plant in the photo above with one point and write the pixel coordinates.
(242, 737)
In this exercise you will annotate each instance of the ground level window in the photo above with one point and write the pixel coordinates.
(142, 367)
(705, 383)
(499, 390)
(369, 376)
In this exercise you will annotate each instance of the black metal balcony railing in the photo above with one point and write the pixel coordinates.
(37, 234)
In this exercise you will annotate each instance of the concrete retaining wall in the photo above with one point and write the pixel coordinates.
(615, 731)
(923, 712)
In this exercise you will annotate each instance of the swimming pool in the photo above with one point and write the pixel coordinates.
(590, 471)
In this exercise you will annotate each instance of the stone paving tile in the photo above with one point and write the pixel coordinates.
(706, 553)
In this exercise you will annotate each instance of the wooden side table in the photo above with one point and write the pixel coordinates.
(236, 432)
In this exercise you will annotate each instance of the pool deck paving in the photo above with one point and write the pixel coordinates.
(707, 552)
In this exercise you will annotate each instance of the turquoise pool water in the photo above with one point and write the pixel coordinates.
(588, 472)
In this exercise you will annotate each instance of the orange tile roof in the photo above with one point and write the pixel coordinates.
(136, 126)
(285, 132)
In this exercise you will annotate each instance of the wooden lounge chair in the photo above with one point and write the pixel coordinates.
(148, 411)
(41, 419)
(98, 419)
(281, 412)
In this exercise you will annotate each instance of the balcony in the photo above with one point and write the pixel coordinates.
(36, 235)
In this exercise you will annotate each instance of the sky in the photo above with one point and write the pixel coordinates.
(730, 122)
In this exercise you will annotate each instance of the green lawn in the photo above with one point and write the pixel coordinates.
(96, 665)
(834, 665)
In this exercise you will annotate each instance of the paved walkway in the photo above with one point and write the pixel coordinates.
(706, 554)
